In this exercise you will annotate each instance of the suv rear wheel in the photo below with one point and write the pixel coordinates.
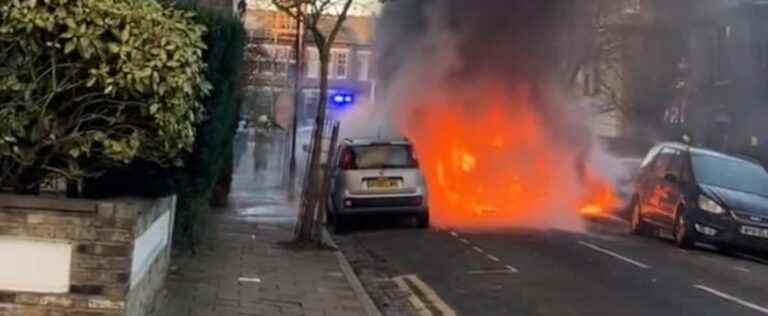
(637, 225)
(683, 233)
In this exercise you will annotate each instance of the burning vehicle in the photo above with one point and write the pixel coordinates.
(501, 166)
(499, 139)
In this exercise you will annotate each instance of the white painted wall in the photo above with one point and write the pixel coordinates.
(150, 244)
(29, 265)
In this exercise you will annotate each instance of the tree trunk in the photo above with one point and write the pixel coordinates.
(306, 227)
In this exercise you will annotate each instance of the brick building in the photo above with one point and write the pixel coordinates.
(685, 67)
(272, 38)
(726, 100)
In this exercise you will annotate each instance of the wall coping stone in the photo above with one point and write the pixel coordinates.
(40, 202)
(122, 207)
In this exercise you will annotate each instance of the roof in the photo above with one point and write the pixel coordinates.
(357, 30)
(709, 152)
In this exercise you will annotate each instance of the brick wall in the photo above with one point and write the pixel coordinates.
(102, 236)
(144, 297)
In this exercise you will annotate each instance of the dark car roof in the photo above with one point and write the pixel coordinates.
(709, 152)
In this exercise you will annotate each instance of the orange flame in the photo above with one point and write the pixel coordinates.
(492, 163)
(601, 198)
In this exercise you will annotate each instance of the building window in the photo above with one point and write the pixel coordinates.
(632, 7)
(284, 22)
(363, 58)
(340, 64)
(284, 59)
(311, 101)
(281, 68)
(721, 54)
(275, 59)
(313, 63)
(265, 66)
(587, 83)
(591, 78)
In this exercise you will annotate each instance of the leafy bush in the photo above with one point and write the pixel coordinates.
(90, 84)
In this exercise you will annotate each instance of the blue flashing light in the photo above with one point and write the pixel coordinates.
(343, 99)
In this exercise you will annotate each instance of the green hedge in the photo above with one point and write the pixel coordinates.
(212, 159)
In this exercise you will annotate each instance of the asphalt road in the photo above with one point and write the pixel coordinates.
(552, 272)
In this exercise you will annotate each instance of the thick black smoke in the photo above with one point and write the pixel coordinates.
(510, 43)
(511, 40)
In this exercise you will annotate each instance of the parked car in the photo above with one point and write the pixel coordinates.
(376, 178)
(697, 194)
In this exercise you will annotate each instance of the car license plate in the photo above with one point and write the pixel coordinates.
(755, 232)
(383, 183)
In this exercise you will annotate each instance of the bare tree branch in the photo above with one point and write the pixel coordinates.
(340, 22)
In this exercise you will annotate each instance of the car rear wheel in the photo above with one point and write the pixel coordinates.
(340, 224)
(422, 221)
(683, 233)
(637, 225)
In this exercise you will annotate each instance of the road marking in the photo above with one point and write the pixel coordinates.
(751, 257)
(466, 242)
(454, 234)
(732, 298)
(417, 304)
(511, 269)
(422, 297)
(491, 271)
(478, 249)
(249, 280)
(615, 255)
(493, 258)
(742, 269)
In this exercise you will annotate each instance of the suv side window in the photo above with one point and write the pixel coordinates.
(670, 161)
(675, 166)
(650, 157)
(665, 162)
(686, 175)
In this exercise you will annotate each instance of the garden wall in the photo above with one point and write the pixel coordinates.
(83, 257)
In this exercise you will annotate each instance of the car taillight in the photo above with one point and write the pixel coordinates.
(346, 162)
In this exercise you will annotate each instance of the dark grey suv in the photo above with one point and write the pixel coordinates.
(697, 194)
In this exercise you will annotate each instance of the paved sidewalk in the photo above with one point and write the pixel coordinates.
(245, 268)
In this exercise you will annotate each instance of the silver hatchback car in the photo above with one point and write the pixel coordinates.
(376, 178)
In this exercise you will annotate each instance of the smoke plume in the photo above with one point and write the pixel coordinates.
(469, 83)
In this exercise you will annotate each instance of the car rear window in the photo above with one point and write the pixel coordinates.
(730, 174)
(381, 157)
